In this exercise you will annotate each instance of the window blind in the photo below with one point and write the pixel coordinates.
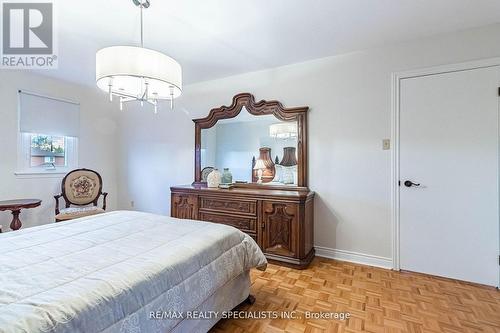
(47, 115)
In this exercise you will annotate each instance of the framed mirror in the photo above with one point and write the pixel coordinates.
(258, 144)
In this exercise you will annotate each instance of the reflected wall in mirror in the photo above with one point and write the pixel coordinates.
(251, 146)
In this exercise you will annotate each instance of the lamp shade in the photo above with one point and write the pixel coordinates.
(127, 68)
(259, 165)
(283, 130)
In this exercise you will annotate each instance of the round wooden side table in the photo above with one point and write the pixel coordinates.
(15, 207)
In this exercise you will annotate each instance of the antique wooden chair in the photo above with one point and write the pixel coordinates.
(80, 188)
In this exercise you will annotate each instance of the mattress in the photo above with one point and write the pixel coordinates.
(111, 271)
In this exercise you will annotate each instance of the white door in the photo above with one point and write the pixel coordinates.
(449, 224)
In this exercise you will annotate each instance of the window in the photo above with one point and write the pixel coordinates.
(41, 153)
(48, 134)
(47, 150)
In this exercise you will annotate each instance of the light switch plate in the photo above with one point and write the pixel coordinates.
(386, 144)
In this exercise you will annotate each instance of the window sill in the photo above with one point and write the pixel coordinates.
(40, 174)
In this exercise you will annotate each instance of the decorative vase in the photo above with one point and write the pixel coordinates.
(214, 178)
(227, 176)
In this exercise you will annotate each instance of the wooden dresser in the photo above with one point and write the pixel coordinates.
(275, 206)
(281, 222)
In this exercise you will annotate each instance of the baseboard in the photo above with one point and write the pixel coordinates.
(358, 258)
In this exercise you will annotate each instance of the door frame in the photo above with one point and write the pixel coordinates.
(395, 119)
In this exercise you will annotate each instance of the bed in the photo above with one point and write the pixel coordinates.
(122, 271)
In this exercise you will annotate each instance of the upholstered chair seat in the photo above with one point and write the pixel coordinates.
(81, 188)
(76, 212)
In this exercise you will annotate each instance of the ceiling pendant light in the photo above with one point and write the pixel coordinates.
(134, 73)
(284, 130)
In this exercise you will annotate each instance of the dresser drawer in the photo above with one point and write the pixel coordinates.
(243, 223)
(230, 206)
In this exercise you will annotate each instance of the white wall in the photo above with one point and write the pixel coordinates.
(156, 152)
(350, 106)
(97, 143)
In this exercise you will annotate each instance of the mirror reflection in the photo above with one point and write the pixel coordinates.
(248, 148)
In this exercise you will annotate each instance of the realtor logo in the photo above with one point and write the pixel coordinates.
(28, 35)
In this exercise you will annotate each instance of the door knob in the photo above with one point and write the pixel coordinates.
(409, 183)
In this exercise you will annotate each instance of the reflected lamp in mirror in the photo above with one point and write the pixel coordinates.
(285, 130)
(259, 166)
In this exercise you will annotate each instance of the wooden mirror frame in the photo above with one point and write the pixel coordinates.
(275, 108)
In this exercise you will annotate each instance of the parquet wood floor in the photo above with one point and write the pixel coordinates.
(378, 300)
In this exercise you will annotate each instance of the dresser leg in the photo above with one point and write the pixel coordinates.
(250, 299)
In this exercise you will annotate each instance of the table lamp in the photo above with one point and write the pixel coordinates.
(259, 166)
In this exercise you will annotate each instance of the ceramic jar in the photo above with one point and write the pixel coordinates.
(227, 176)
(214, 178)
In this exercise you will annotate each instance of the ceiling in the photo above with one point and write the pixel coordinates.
(218, 38)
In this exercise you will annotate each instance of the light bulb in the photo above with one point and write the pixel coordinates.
(110, 92)
(171, 98)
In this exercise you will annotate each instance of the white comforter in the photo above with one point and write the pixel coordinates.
(107, 272)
